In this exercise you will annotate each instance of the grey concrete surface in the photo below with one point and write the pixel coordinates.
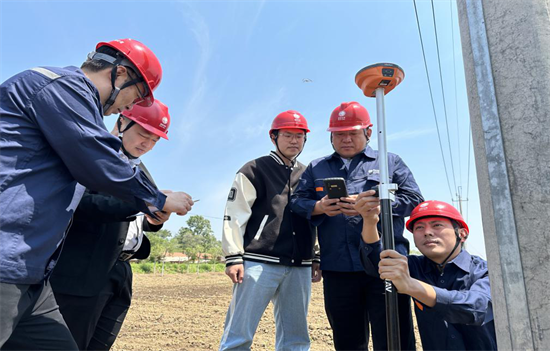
(508, 81)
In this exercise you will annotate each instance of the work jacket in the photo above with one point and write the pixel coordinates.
(339, 235)
(462, 318)
(53, 135)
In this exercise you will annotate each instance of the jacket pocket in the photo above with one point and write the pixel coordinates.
(261, 228)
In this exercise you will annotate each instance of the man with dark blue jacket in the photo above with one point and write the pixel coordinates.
(353, 300)
(53, 135)
(450, 287)
(92, 281)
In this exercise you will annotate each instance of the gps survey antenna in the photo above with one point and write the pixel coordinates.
(376, 81)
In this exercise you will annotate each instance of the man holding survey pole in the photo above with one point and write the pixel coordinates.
(354, 302)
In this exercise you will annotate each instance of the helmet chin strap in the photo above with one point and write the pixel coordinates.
(121, 135)
(291, 160)
(115, 61)
(441, 266)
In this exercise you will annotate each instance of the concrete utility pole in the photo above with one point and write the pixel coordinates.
(506, 49)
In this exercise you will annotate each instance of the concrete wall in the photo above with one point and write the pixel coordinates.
(512, 153)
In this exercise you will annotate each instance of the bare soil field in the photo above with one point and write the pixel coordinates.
(187, 312)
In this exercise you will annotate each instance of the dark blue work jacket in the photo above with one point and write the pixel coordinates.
(462, 318)
(51, 136)
(339, 236)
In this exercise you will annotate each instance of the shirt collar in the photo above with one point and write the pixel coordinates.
(462, 261)
(132, 161)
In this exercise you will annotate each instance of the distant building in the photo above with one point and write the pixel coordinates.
(176, 257)
(180, 257)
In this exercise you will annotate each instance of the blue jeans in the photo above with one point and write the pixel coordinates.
(288, 287)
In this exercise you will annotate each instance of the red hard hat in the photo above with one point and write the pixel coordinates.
(143, 59)
(433, 208)
(349, 116)
(289, 120)
(154, 119)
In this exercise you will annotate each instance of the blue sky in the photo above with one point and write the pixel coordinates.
(231, 66)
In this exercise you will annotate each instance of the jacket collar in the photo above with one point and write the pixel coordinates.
(280, 161)
(277, 158)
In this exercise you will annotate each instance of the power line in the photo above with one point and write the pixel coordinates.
(432, 99)
(211, 217)
(443, 94)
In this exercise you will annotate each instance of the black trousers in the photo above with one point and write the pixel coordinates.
(30, 319)
(355, 302)
(95, 321)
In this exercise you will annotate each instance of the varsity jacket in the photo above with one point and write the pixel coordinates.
(258, 223)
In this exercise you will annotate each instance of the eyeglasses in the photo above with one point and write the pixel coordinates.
(141, 95)
(288, 136)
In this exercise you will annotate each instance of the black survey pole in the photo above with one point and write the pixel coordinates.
(376, 81)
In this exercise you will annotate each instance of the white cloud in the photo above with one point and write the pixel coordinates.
(197, 25)
(255, 120)
(254, 21)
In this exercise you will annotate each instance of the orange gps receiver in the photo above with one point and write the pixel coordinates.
(379, 75)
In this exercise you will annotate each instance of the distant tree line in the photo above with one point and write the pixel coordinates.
(196, 240)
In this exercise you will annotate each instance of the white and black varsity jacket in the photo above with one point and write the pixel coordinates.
(258, 223)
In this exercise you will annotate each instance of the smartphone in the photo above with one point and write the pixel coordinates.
(335, 187)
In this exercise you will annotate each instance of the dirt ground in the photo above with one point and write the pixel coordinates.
(187, 311)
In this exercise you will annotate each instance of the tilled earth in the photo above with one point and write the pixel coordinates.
(187, 312)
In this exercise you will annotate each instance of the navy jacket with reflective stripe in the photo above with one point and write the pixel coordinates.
(51, 136)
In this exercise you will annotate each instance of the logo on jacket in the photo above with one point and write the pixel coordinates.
(232, 194)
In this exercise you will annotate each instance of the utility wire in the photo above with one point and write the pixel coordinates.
(210, 216)
(432, 98)
(443, 93)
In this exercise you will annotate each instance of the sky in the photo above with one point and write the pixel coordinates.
(229, 67)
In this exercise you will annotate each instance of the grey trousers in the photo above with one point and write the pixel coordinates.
(30, 319)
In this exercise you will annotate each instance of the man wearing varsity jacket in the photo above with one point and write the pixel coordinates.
(269, 249)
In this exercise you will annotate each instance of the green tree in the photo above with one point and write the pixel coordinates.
(163, 233)
(197, 239)
(216, 254)
(161, 245)
(199, 226)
